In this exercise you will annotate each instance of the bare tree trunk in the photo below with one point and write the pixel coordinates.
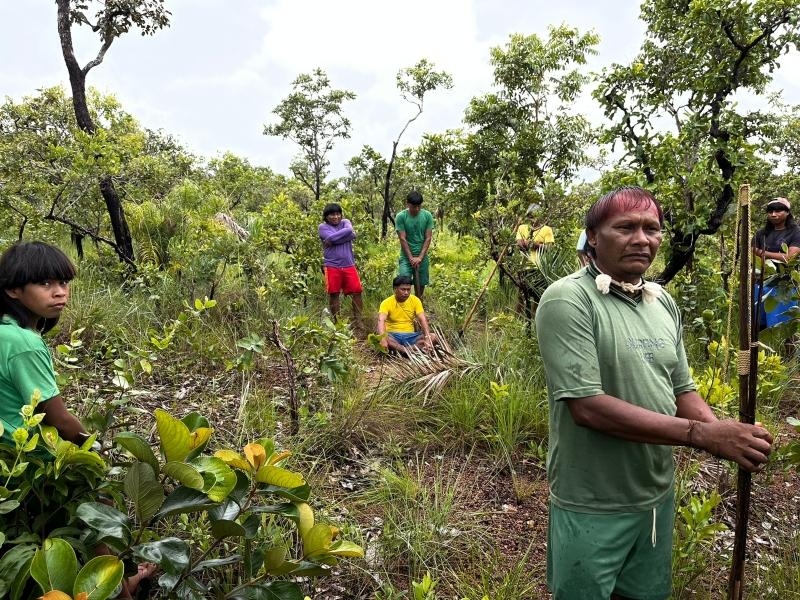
(77, 80)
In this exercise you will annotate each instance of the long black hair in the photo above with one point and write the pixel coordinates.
(31, 262)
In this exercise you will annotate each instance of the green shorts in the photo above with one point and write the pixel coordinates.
(591, 556)
(404, 268)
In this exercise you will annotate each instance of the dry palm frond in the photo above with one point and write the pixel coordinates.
(427, 372)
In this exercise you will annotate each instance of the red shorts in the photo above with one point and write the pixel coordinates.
(342, 279)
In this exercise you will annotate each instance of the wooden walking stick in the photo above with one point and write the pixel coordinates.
(747, 366)
(494, 270)
(417, 286)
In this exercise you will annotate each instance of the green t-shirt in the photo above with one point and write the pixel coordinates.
(611, 344)
(25, 366)
(414, 227)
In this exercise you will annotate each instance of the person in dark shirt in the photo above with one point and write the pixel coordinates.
(778, 241)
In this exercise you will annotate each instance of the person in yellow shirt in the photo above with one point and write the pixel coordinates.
(533, 242)
(396, 317)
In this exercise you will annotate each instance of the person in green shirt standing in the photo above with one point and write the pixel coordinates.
(620, 396)
(414, 227)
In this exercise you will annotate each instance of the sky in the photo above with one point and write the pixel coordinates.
(213, 77)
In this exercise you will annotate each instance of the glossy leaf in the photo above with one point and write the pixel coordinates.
(184, 500)
(345, 549)
(144, 491)
(275, 590)
(171, 554)
(138, 447)
(54, 566)
(174, 435)
(110, 525)
(305, 519)
(219, 478)
(317, 539)
(14, 566)
(185, 474)
(279, 477)
(99, 577)
(223, 528)
(233, 459)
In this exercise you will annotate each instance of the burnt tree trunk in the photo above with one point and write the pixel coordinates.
(77, 80)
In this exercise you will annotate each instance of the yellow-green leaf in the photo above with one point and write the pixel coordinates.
(99, 577)
(175, 437)
(306, 518)
(346, 549)
(233, 459)
(184, 473)
(317, 539)
(279, 477)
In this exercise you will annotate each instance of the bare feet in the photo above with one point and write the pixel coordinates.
(131, 584)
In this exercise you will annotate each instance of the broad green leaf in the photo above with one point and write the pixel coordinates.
(275, 590)
(233, 459)
(275, 557)
(2, 538)
(185, 474)
(99, 577)
(223, 528)
(171, 554)
(174, 435)
(194, 420)
(54, 566)
(200, 430)
(305, 520)
(317, 539)
(110, 525)
(14, 570)
(307, 568)
(219, 478)
(144, 491)
(138, 447)
(214, 563)
(229, 510)
(279, 477)
(184, 500)
(298, 494)
(7, 506)
(347, 549)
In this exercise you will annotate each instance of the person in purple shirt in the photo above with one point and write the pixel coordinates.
(339, 264)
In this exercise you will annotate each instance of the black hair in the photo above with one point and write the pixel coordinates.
(401, 280)
(31, 262)
(414, 197)
(626, 197)
(330, 209)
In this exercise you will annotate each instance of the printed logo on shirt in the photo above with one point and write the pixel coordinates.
(646, 347)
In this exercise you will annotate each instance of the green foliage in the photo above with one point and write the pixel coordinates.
(696, 529)
(311, 116)
(697, 59)
(44, 480)
(524, 140)
(55, 569)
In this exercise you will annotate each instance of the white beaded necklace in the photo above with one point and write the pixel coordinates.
(650, 289)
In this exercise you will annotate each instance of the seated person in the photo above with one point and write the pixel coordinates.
(396, 319)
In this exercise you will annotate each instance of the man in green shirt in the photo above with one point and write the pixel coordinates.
(620, 396)
(414, 227)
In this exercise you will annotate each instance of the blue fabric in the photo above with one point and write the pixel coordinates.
(781, 313)
(405, 339)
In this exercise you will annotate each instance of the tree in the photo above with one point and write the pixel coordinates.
(311, 116)
(113, 19)
(522, 143)
(673, 107)
(413, 83)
